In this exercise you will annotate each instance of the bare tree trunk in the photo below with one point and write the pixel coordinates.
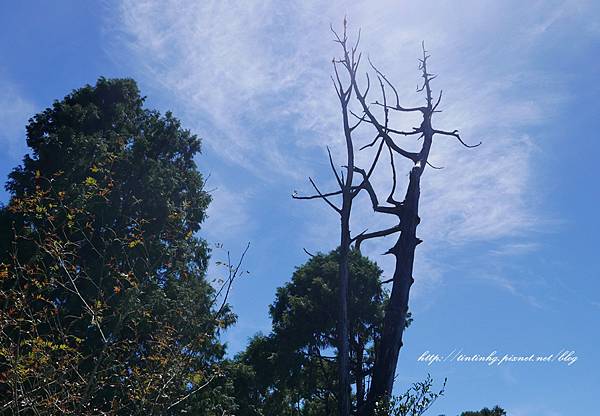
(345, 242)
(388, 350)
(347, 192)
(343, 341)
(360, 377)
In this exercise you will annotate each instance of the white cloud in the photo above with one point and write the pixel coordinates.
(233, 65)
(481, 194)
(228, 219)
(512, 287)
(518, 248)
(255, 75)
(15, 110)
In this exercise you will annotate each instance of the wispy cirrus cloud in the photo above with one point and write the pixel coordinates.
(236, 220)
(234, 65)
(15, 110)
(255, 75)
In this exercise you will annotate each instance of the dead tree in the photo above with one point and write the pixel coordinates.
(347, 192)
(406, 211)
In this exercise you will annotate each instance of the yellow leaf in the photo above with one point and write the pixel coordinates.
(90, 181)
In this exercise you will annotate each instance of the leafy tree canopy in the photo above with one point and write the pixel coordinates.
(496, 411)
(292, 370)
(106, 309)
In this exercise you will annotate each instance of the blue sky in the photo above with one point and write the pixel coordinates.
(510, 258)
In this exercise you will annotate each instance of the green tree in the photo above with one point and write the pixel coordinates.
(496, 411)
(293, 369)
(105, 304)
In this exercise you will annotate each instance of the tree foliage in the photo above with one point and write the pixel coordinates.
(293, 369)
(496, 411)
(105, 305)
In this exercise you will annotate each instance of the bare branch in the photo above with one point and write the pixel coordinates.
(196, 390)
(366, 185)
(386, 111)
(381, 233)
(375, 159)
(337, 91)
(368, 86)
(434, 167)
(233, 273)
(308, 252)
(371, 144)
(324, 197)
(359, 122)
(355, 48)
(341, 94)
(427, 78)
(380, 128)
(437, 103)
(368, 174)
(337, 177)
(409, 155)
(337, 37)
(416, 130)
(296, 196)
(390, 198)
(454, 133)
(398, 107)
